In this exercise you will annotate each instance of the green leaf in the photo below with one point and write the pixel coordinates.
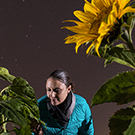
(21, 87)
(8, 109)
(18, 103)
(131, 128)
(119, 89)
(120, 121)
(23, 130)
(125, 35)
(4, 74)
(132, 25)
(121, 56)
(30, 108)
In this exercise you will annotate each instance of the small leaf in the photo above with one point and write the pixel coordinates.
(119, 89)
(4, 74)
(120, 121)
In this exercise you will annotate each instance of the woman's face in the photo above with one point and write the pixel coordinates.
(56, 91)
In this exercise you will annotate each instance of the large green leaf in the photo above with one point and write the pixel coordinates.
(8, 109)
(4, 74)
(120, 122)
(119, 89)
(22, 90)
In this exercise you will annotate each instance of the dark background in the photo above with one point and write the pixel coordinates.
(32, 46)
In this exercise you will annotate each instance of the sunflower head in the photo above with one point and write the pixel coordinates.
(101, 23)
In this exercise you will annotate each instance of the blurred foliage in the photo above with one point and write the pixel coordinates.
(18, 105)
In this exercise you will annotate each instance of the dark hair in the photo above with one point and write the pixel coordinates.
(63, 77)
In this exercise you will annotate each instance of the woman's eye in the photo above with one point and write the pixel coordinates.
(48, 89)
(57, 90)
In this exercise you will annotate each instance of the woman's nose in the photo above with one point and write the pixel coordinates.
(53, 94)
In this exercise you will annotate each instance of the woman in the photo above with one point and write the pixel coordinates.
(63, 112)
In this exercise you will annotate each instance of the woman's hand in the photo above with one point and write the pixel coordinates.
(36, 127)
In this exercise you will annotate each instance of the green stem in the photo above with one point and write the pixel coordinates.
(4, 124)
(130, 42)
(131, 46)
(3, 90)
(127, 38)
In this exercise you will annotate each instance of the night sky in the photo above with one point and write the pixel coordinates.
(32, 46)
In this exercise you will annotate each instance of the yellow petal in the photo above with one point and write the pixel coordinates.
(103, 29)
(114, 9)
(91, 8)
(87, 1)
(89, 48)
(73, 21)
(111, 19)
(106, 3)
(97, 3)
(70, 39)
(98, 43)
(83, 40)
(96, 48)
(74, 38)
(123, 3)
(84, 29)
(126, 10)
(113, 15)
(84, 17)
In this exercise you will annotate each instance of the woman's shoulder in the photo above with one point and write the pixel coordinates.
(81, 105)
(80, 99)
(42, 100)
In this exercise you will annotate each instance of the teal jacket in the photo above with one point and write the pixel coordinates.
(80, 122)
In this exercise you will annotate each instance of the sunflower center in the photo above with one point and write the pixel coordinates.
(102, 16)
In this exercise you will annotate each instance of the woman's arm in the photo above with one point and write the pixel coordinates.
(87, 125)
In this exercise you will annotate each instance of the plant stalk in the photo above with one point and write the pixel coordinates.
(4, 124)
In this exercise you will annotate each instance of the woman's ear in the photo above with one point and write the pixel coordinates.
(69, 88)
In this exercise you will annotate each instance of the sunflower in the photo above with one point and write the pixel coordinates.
(96, 21)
